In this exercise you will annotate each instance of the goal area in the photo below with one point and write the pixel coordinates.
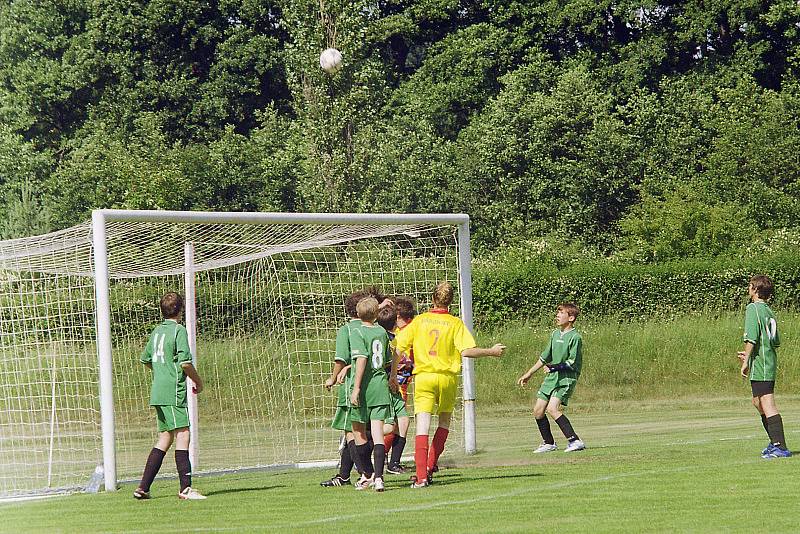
(265, 297)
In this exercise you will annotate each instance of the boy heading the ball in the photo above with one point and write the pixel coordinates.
(561, 360)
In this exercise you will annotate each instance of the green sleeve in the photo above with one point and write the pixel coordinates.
(751, 329)
(343, 346)
(358, 344)
(183, 353)
(547, 353)
(147, 353)
(575, 357)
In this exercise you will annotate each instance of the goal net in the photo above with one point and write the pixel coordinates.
(265, 297)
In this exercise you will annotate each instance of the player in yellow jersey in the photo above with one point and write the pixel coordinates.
(439, 341)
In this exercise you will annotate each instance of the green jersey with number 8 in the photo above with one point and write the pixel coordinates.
(372, 343)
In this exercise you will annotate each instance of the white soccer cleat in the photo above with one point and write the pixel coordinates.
(546, 447)
(575, 445)
(365, 483)
(378, 485)
(190, 494)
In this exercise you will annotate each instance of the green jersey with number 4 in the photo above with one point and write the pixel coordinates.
(761, 329)
(372, 343)
(166, 350)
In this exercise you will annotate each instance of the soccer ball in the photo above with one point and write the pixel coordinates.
(330, 60)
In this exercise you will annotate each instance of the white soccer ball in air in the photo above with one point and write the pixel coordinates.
(330, 60)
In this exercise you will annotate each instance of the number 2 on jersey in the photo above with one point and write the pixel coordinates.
(432, 352)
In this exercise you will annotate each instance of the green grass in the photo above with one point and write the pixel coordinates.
(652, 466)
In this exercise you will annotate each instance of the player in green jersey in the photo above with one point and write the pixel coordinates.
(340, 374)
(167, 354)
(760, 362)
(369, 347)
(561, 360)
(395, 430)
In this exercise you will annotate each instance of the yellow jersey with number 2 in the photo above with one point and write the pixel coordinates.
(437, 339)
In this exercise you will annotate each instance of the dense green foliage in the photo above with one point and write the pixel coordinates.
(655, 129)
(533, 289)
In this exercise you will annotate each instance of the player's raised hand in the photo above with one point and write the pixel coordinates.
(498, 350)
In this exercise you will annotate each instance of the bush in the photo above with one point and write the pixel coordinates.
(532, 290)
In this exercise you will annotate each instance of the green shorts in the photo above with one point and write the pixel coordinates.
(342, 421)
(171, 417)
(380, 413)
(562, 389)
(359, 414)
(398, 406)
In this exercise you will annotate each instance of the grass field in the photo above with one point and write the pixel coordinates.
(651, 466)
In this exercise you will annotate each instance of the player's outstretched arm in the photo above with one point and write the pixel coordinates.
(494, 352)
(521, 381)
(192, 373)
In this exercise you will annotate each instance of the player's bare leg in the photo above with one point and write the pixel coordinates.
(540, 415)
(380, 453)
(153, 464)
(771, 418)
(554, 411)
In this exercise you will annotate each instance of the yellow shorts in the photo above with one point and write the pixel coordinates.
(431, 389)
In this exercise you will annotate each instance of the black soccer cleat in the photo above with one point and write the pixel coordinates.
(335, 482)
(396, 469)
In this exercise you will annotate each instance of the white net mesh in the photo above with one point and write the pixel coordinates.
(269, 298)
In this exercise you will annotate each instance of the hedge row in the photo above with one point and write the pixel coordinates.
(601, 288)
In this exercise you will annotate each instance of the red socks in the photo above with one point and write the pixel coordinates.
(437, 446)
(421, 457)
(388, 439)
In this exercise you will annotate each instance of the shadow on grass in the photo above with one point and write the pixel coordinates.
(445, 479)
(242, 490)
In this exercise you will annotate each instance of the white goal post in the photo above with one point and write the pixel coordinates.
(265, 296)
(356, 226)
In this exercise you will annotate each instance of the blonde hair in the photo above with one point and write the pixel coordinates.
(443, 295)
(367, 309)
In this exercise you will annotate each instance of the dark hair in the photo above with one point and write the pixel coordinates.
(171, 305)
(571, 308)
(443, 294)
(763, 286)
(387, 318)
(351, 301)
(405, 308)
